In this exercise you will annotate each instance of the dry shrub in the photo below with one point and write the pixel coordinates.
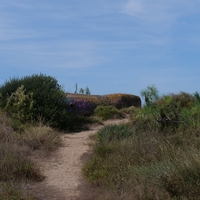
(42, 137)
(10, 191)
(13, 162)
(14, 165)
(6, 131)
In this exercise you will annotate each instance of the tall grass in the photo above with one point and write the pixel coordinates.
(143, 160)
(15, 166)
(41, 137)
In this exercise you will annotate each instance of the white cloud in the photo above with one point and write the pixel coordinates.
(133, 8)
(159, 11)
(151, 11)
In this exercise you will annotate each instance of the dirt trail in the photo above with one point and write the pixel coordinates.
(63, 168)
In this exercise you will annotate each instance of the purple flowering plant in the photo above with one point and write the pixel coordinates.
(82, 105)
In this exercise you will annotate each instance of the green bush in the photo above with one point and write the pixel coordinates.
(180, 100)
(107, 112)
(168, 112)
(177, 111)
(41, 93)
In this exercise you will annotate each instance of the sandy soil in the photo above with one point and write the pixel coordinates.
(63, 168)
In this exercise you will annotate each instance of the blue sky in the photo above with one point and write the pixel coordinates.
(111, 46)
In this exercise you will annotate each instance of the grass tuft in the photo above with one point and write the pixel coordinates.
(42, 137)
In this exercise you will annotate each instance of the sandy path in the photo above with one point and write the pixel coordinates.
(63, 168)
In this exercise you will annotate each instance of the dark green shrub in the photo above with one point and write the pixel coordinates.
(167, 113)
(107, 112)
(172, 110)
(181, 100)
(46, 94)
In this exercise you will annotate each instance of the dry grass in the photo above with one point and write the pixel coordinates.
(42, 137)
(147, 164)
(15, 166)
(9, 191)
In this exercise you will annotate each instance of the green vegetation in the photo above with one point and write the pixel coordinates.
(13, 164)
(30, 110)
(81, 90)
(113, 132)
(150, 95)
(34, 96)
(154, 156)
(108, 112)
(15, 148)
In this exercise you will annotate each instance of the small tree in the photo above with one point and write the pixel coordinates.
(81, 90)
(20, 105)
(76, 88)
(87, 91)
(150, 95)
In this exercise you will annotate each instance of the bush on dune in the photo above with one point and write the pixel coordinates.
(32, 96)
